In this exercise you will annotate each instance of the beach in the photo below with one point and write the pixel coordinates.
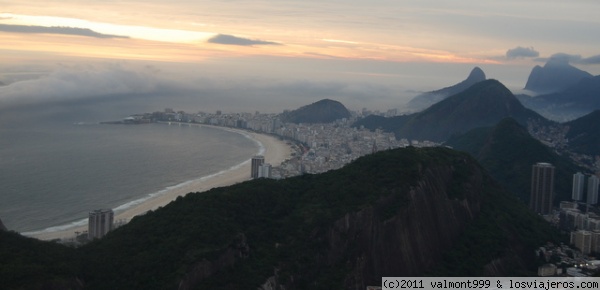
(275, 152)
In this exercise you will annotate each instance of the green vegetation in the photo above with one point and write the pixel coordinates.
(238, 236)
(506, 236)
(28, 263)
(290, 213)
(507, 152)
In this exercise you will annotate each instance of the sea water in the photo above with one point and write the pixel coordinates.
(58, 163)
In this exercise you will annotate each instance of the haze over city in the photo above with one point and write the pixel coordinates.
(275, 55)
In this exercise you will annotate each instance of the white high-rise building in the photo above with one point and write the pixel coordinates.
(264, 171)
(582, 240)
(592, 193)
(578, 182)
(100, 222)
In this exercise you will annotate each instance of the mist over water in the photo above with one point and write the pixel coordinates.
(57, 163)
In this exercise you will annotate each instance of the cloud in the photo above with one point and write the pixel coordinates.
(561, 57)
(56, 30)
(234, 40)
(591, 60)
(519, 52)
(80, 82)
(565, 57)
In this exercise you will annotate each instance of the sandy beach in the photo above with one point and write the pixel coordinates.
(275, 152)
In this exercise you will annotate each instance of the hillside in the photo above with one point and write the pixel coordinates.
(403, 212)
(427, 99)
(323, 111)
(556, 75)
(2, 227)
(507, 151)
(584, 134)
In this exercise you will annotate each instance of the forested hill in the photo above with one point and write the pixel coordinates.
(584, 134)
(507, 151)
(323, 111)
(403, 212)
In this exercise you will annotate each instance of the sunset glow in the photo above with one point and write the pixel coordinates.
(290, 39)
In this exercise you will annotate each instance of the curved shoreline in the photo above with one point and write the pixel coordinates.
(274, 150)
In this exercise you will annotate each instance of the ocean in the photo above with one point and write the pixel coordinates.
(57, 162)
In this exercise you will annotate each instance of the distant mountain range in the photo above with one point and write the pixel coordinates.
(574, 101)
(556, 75)
(403, 212)
(323, 111)
(481, 105)
(427, 99)
(507, 152)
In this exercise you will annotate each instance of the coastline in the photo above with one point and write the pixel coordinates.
(275, 152)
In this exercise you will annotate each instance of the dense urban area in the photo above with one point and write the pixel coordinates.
(319, 147)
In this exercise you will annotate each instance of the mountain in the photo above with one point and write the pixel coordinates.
(507, 152)
(481, 105)
(556, 75)
(2, 227)
(402, 212)
(573, 102)
(427, 99)
(584, 134)
(323, 111)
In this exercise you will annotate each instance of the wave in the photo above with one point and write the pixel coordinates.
(133, 203)
(75, 224)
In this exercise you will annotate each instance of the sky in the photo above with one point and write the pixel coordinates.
(271, 55)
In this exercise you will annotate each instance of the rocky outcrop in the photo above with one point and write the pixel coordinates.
(411, 241)
(236, 251)
(414, 240)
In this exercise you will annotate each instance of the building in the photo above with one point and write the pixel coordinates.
(564, 205)
(596, 241)
(547, 270)
(100, 222)
(592, 193)
(582, 240)
(578, 183)
(542, 188)
(568, 219)
(264, 171)
(257, 162)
